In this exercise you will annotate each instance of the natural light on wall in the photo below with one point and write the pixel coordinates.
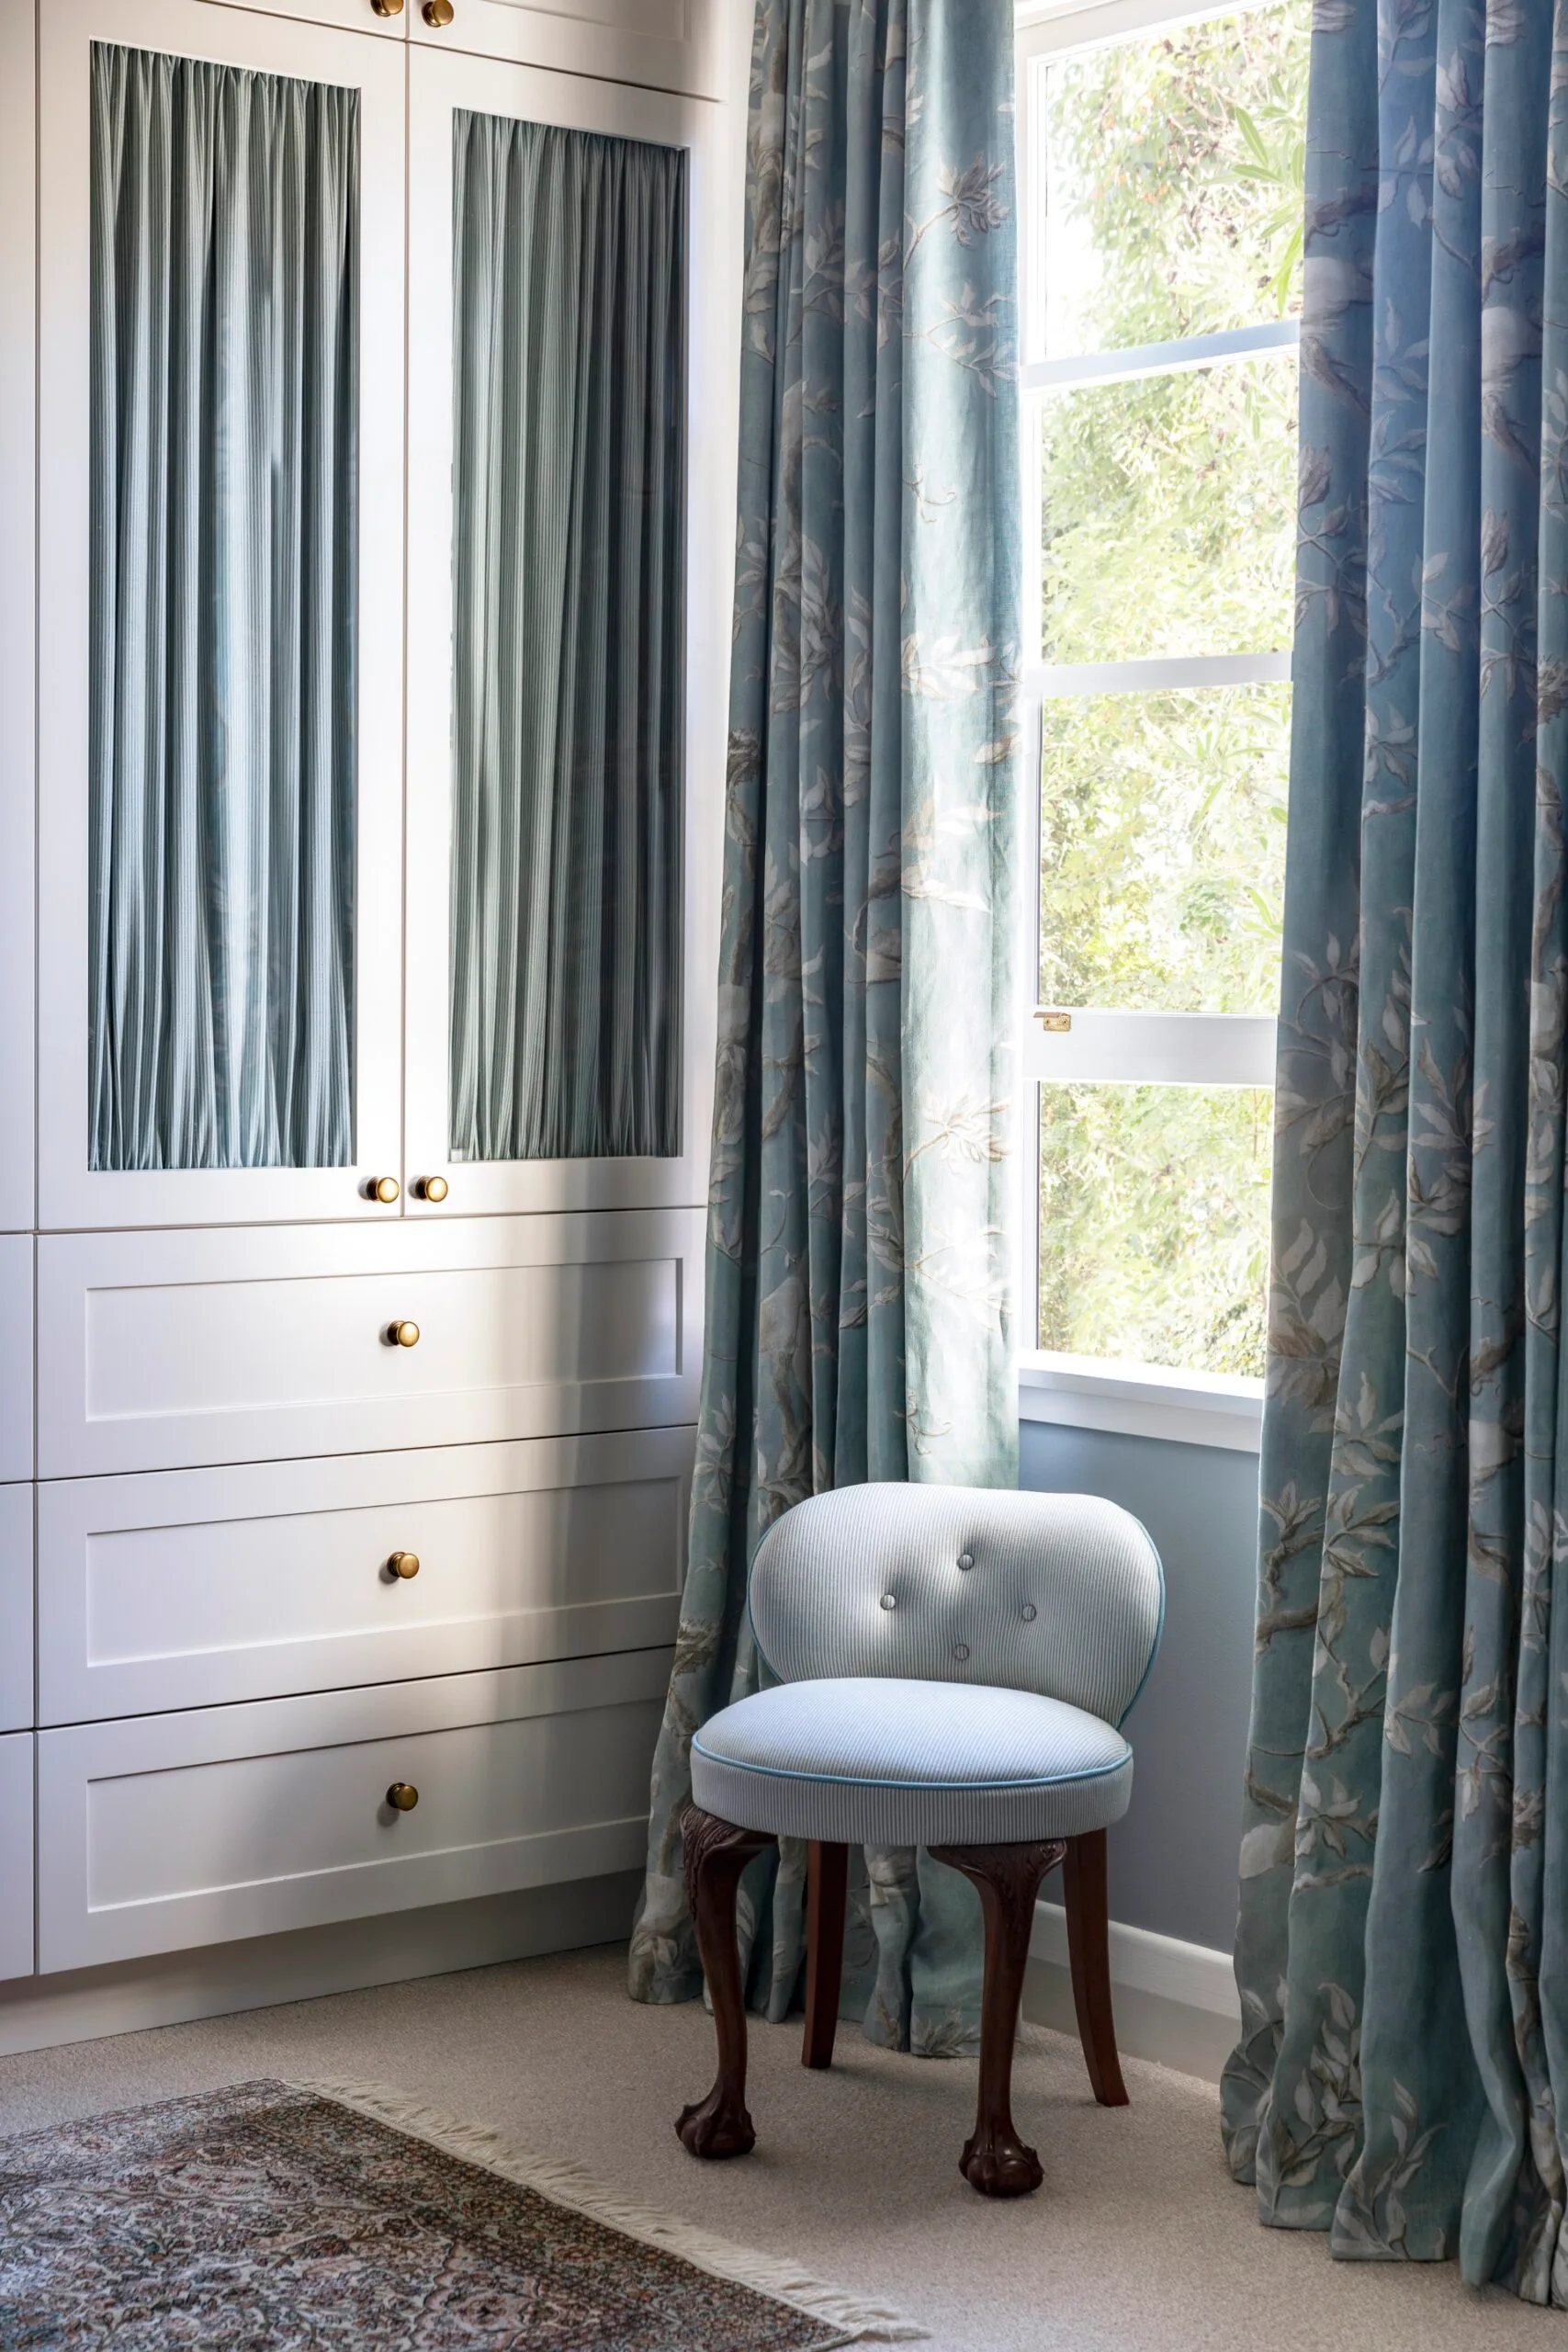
(1161, 161)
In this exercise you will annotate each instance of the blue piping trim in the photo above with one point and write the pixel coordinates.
(913, 1788)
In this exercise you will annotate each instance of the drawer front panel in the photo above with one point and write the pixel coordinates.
(16, 1607)
(166, 1350)
(168, 1831)
(196, 1588)
(17, 1855)
(16, 1355)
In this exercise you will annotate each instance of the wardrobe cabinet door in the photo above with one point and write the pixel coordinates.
(168, 1831)
(200, 1588)
(569, 563)
(17, 1855)
(15, 1608)
(663, 44)
(17, 629)
(221, 552)
(162, 1351)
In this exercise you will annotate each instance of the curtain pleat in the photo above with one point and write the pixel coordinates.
(224, 418)
(568, 484)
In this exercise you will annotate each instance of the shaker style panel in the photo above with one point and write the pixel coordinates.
(221, 533)
(170, 1350)
(195, 1588)
(665, 44)
(567, 546)
(17, 1855)
(16, 1355)
(388, 19)
(15, 1608)
(17, 486)
(165, 1831)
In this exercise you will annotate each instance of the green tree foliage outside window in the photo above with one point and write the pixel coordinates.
(1173, 209)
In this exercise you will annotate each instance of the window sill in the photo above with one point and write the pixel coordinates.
(1141, 1401)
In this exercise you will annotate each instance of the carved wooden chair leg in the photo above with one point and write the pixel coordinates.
(827, 1884)
(1088, 1949)
(995, 2160)
(716, 1854)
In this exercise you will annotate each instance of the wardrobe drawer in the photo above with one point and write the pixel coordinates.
(16, 1607)
(17, 1854)
(164, 1350)
(16, 1355)
(168, 1831)
(193, 1587)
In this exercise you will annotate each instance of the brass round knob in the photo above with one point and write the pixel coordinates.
(402, 1796)
(404, 1564)
(384, 1188)
(402, 1335)
(437, 13)
(388, 8)
(431, 1188)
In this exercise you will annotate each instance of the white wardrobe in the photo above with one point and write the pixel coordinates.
(361, 794)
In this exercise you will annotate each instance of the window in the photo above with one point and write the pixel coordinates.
(1161, 161)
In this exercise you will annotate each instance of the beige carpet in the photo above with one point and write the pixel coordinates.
(1138, 2240)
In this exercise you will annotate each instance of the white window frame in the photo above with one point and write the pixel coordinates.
(1201, 1048)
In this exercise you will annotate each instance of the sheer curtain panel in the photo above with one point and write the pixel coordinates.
(569, 488)
(224, 421)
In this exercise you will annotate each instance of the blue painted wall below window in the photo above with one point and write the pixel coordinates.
(1173, 1859)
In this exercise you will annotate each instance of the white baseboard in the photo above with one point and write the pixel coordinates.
(84, 2004)
(1176, 2003)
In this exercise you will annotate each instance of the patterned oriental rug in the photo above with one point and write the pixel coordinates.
(282, 2215)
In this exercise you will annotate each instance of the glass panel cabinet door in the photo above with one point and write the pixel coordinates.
(220, 531)
(565, 689)
(663, 44)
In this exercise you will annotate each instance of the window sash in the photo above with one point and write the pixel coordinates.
(1105, 1045)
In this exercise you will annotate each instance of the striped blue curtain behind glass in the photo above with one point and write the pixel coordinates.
(569, 469)
(224, 417)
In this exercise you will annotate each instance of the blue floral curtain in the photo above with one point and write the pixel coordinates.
(1402, 1960)
(859, 1229)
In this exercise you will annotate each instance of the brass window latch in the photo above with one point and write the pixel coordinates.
(1055, 1024)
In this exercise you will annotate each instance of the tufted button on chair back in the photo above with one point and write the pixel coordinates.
(1059, 1594)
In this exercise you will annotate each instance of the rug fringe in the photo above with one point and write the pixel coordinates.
(565, 2183)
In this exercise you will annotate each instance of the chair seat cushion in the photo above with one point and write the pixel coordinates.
(875, 1762)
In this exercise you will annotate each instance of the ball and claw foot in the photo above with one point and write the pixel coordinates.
(715, 1853)
(998, 2164)
(716, 2126)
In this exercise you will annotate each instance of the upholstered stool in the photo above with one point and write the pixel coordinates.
(948, 1667)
